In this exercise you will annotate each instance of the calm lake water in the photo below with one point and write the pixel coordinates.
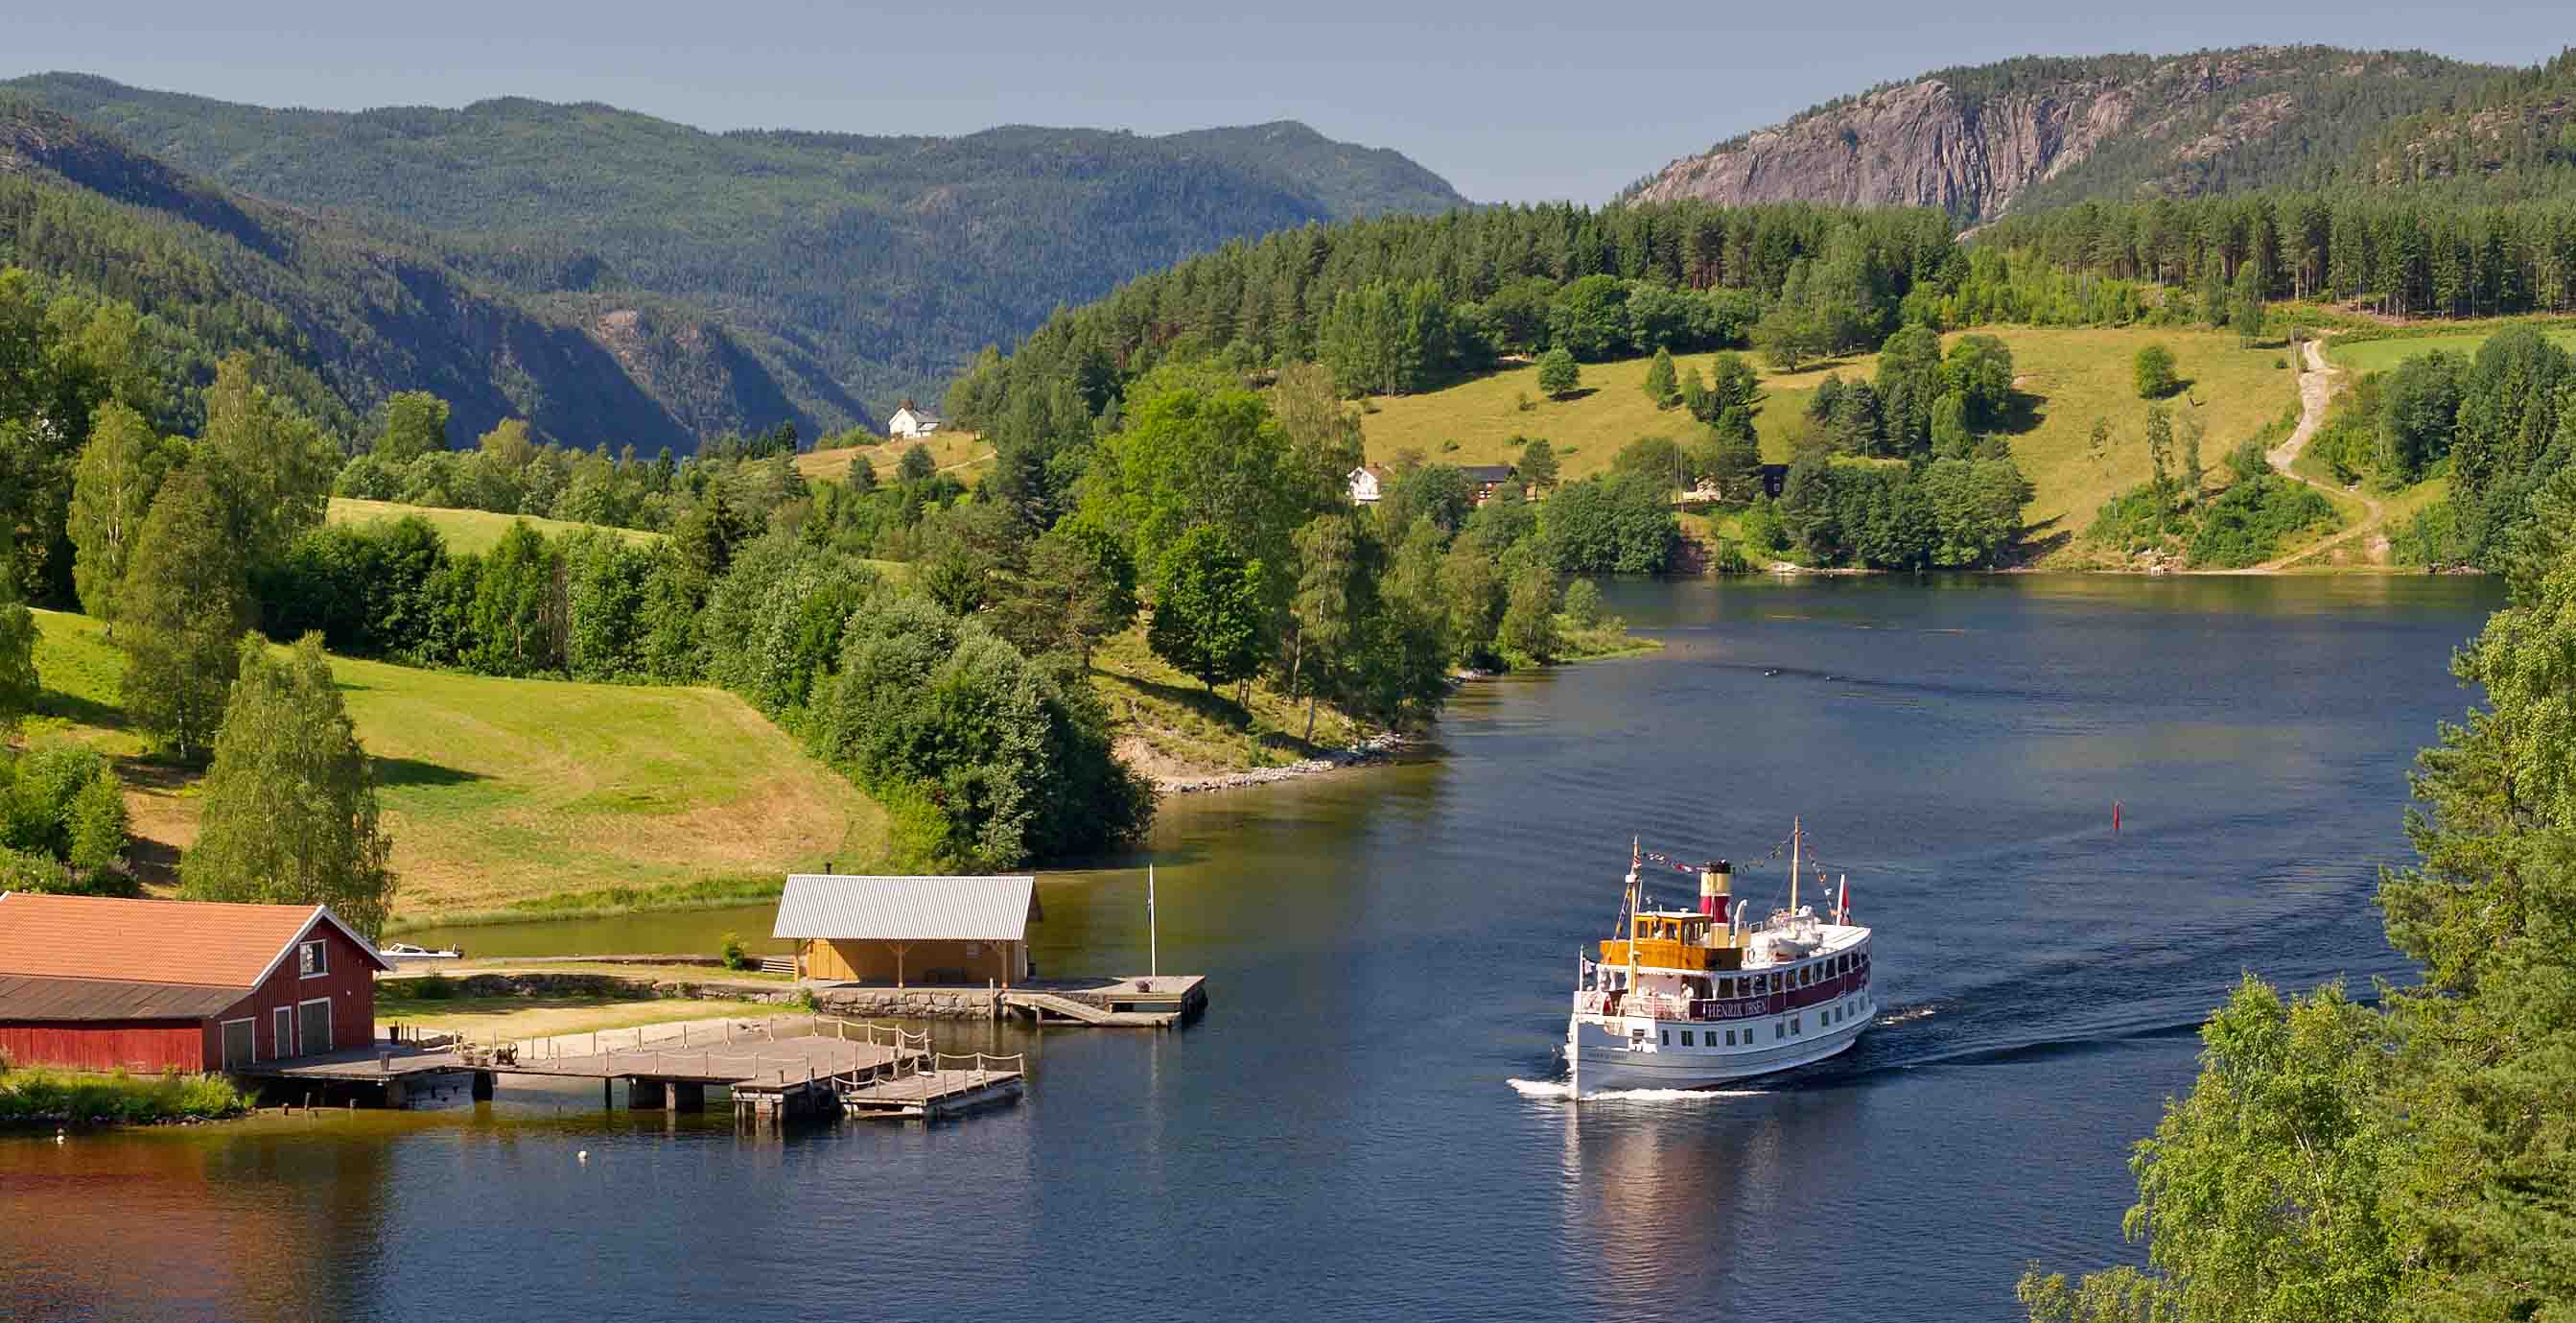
(1361, 1127)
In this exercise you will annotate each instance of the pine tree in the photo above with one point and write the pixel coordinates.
(290, 811)
(1663, 384)
(183, 607)
(1538, 464)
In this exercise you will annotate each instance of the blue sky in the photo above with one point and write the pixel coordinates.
(1511, 101)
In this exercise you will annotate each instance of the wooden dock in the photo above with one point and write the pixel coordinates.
(769, 1075)
(944, 1086)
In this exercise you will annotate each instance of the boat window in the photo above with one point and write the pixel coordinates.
(1779, 1030)
(1686, 1038)
(1730, 1038)
(1795, 1027)
(1665, 1037)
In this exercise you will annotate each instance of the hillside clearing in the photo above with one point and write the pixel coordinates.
(466, 530)
(2366, 356)
(2064, 379)
(500, 794)
(956, 453)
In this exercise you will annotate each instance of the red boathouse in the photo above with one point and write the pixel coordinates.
(92, 983)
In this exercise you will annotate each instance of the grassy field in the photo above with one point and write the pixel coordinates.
(2065, 379)
(464, 530)
(498, 1019)
(959, 453)
(1169, 725)
(502, 794)
(2380, 355)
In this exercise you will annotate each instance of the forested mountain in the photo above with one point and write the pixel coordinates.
(338, 318)
(850, 269)
(2511, 137)
(2042, 131)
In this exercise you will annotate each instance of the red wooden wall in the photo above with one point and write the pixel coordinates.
(350, 984)
(142, 1046)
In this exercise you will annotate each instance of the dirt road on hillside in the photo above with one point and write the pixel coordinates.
(2316, 387)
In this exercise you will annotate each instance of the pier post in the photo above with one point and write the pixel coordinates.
(645, 1095)
(484, 1082)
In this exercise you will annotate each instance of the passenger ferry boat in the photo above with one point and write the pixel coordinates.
(1692, 999)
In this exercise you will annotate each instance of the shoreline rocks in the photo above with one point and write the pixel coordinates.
(1376, 748)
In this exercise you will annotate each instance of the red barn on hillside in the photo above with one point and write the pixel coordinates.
(91, 983)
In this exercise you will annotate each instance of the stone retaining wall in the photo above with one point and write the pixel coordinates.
(916, 1003)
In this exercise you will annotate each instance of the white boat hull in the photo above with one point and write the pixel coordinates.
(1610, 1053)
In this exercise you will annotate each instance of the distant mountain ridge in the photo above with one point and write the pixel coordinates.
(851, 270)
(339, 318)
(2043, 131)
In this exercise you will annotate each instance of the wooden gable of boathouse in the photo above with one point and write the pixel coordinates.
(909, 931)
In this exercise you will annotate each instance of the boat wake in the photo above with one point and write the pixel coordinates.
(1563, 1091)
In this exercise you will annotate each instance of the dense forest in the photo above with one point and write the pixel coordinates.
(854, 269)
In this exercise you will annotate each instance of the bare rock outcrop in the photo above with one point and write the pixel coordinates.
(1972, 153)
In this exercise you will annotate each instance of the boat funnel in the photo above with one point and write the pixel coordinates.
(1716, 889)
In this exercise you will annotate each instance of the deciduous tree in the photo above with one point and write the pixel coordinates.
(1557, 374)
(182, 610)
(290, 811)
(1211, 611)
(112, 489)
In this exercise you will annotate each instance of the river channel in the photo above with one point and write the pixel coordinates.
(1363, 1125)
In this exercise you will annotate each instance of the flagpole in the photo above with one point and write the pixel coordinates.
(1153, 941)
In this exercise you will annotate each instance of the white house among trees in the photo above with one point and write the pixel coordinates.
(912, 421)
(1364, 485)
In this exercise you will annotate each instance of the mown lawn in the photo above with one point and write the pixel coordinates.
(499, 792)
(464, 530)
(498, 1019)
(2065, 378)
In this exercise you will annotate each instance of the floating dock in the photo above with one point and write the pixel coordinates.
(946, 1085)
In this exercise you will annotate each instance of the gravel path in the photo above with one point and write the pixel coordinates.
(2316, 386)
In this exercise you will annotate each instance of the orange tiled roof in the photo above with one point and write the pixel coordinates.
(146, 941)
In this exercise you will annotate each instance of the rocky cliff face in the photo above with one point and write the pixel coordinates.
(1973, 142)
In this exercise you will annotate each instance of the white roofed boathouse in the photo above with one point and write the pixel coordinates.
(909, 931)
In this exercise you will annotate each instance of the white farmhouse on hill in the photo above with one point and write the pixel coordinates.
(912, 420)
(1364, 484)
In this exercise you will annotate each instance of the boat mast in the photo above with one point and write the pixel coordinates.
(1793, 865)
(1635, 860)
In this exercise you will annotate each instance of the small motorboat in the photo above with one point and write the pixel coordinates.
(407, 951)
